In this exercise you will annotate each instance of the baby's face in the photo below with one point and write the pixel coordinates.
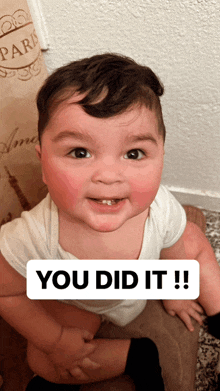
(101, 172)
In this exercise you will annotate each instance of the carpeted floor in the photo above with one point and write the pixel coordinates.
(209, 347)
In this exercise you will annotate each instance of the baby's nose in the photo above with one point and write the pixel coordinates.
(108, 172)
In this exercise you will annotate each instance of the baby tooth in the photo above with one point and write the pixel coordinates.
(107, 202)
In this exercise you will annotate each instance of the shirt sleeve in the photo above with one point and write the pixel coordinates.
(23, 239)
(172, 219)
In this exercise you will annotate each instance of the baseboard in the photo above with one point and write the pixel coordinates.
(204, 200)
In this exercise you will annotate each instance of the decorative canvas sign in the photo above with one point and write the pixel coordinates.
(22, 72)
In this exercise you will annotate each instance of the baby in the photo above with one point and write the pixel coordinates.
(101, 147)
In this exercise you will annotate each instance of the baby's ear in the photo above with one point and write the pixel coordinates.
(38, 151)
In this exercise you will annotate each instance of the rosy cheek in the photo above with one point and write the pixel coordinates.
(64, 189)
(144, 198)
(143, 192)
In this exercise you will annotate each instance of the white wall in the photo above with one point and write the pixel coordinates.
(180, 40)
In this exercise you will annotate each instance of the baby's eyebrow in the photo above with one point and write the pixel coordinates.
(71, 134)
(141, 137)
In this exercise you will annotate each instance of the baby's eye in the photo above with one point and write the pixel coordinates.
(80, 153)
(136, 154)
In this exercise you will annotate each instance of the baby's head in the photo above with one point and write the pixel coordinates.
(101, 137)
(109, 83)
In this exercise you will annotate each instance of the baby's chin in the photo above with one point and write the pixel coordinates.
(105, 227)
(111, 224)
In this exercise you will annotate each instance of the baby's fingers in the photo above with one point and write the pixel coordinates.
(194, 314)
(87, 363)
(79, 374)
(87, 335)
(88, 348)
(197, 307)
(184, 316)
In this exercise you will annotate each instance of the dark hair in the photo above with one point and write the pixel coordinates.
(111, 83)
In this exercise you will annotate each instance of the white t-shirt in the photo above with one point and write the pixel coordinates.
(35, 236)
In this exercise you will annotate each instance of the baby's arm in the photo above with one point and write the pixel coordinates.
(30, 319)
(194, 245)
(59, 354)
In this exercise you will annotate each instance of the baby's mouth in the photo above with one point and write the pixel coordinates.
(107, 202)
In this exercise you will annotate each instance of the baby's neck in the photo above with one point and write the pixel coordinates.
(84, 243)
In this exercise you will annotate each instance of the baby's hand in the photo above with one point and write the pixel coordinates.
(70, 354)
(185, 309)
(79, 371)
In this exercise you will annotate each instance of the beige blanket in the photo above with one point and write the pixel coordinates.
(22, 72)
